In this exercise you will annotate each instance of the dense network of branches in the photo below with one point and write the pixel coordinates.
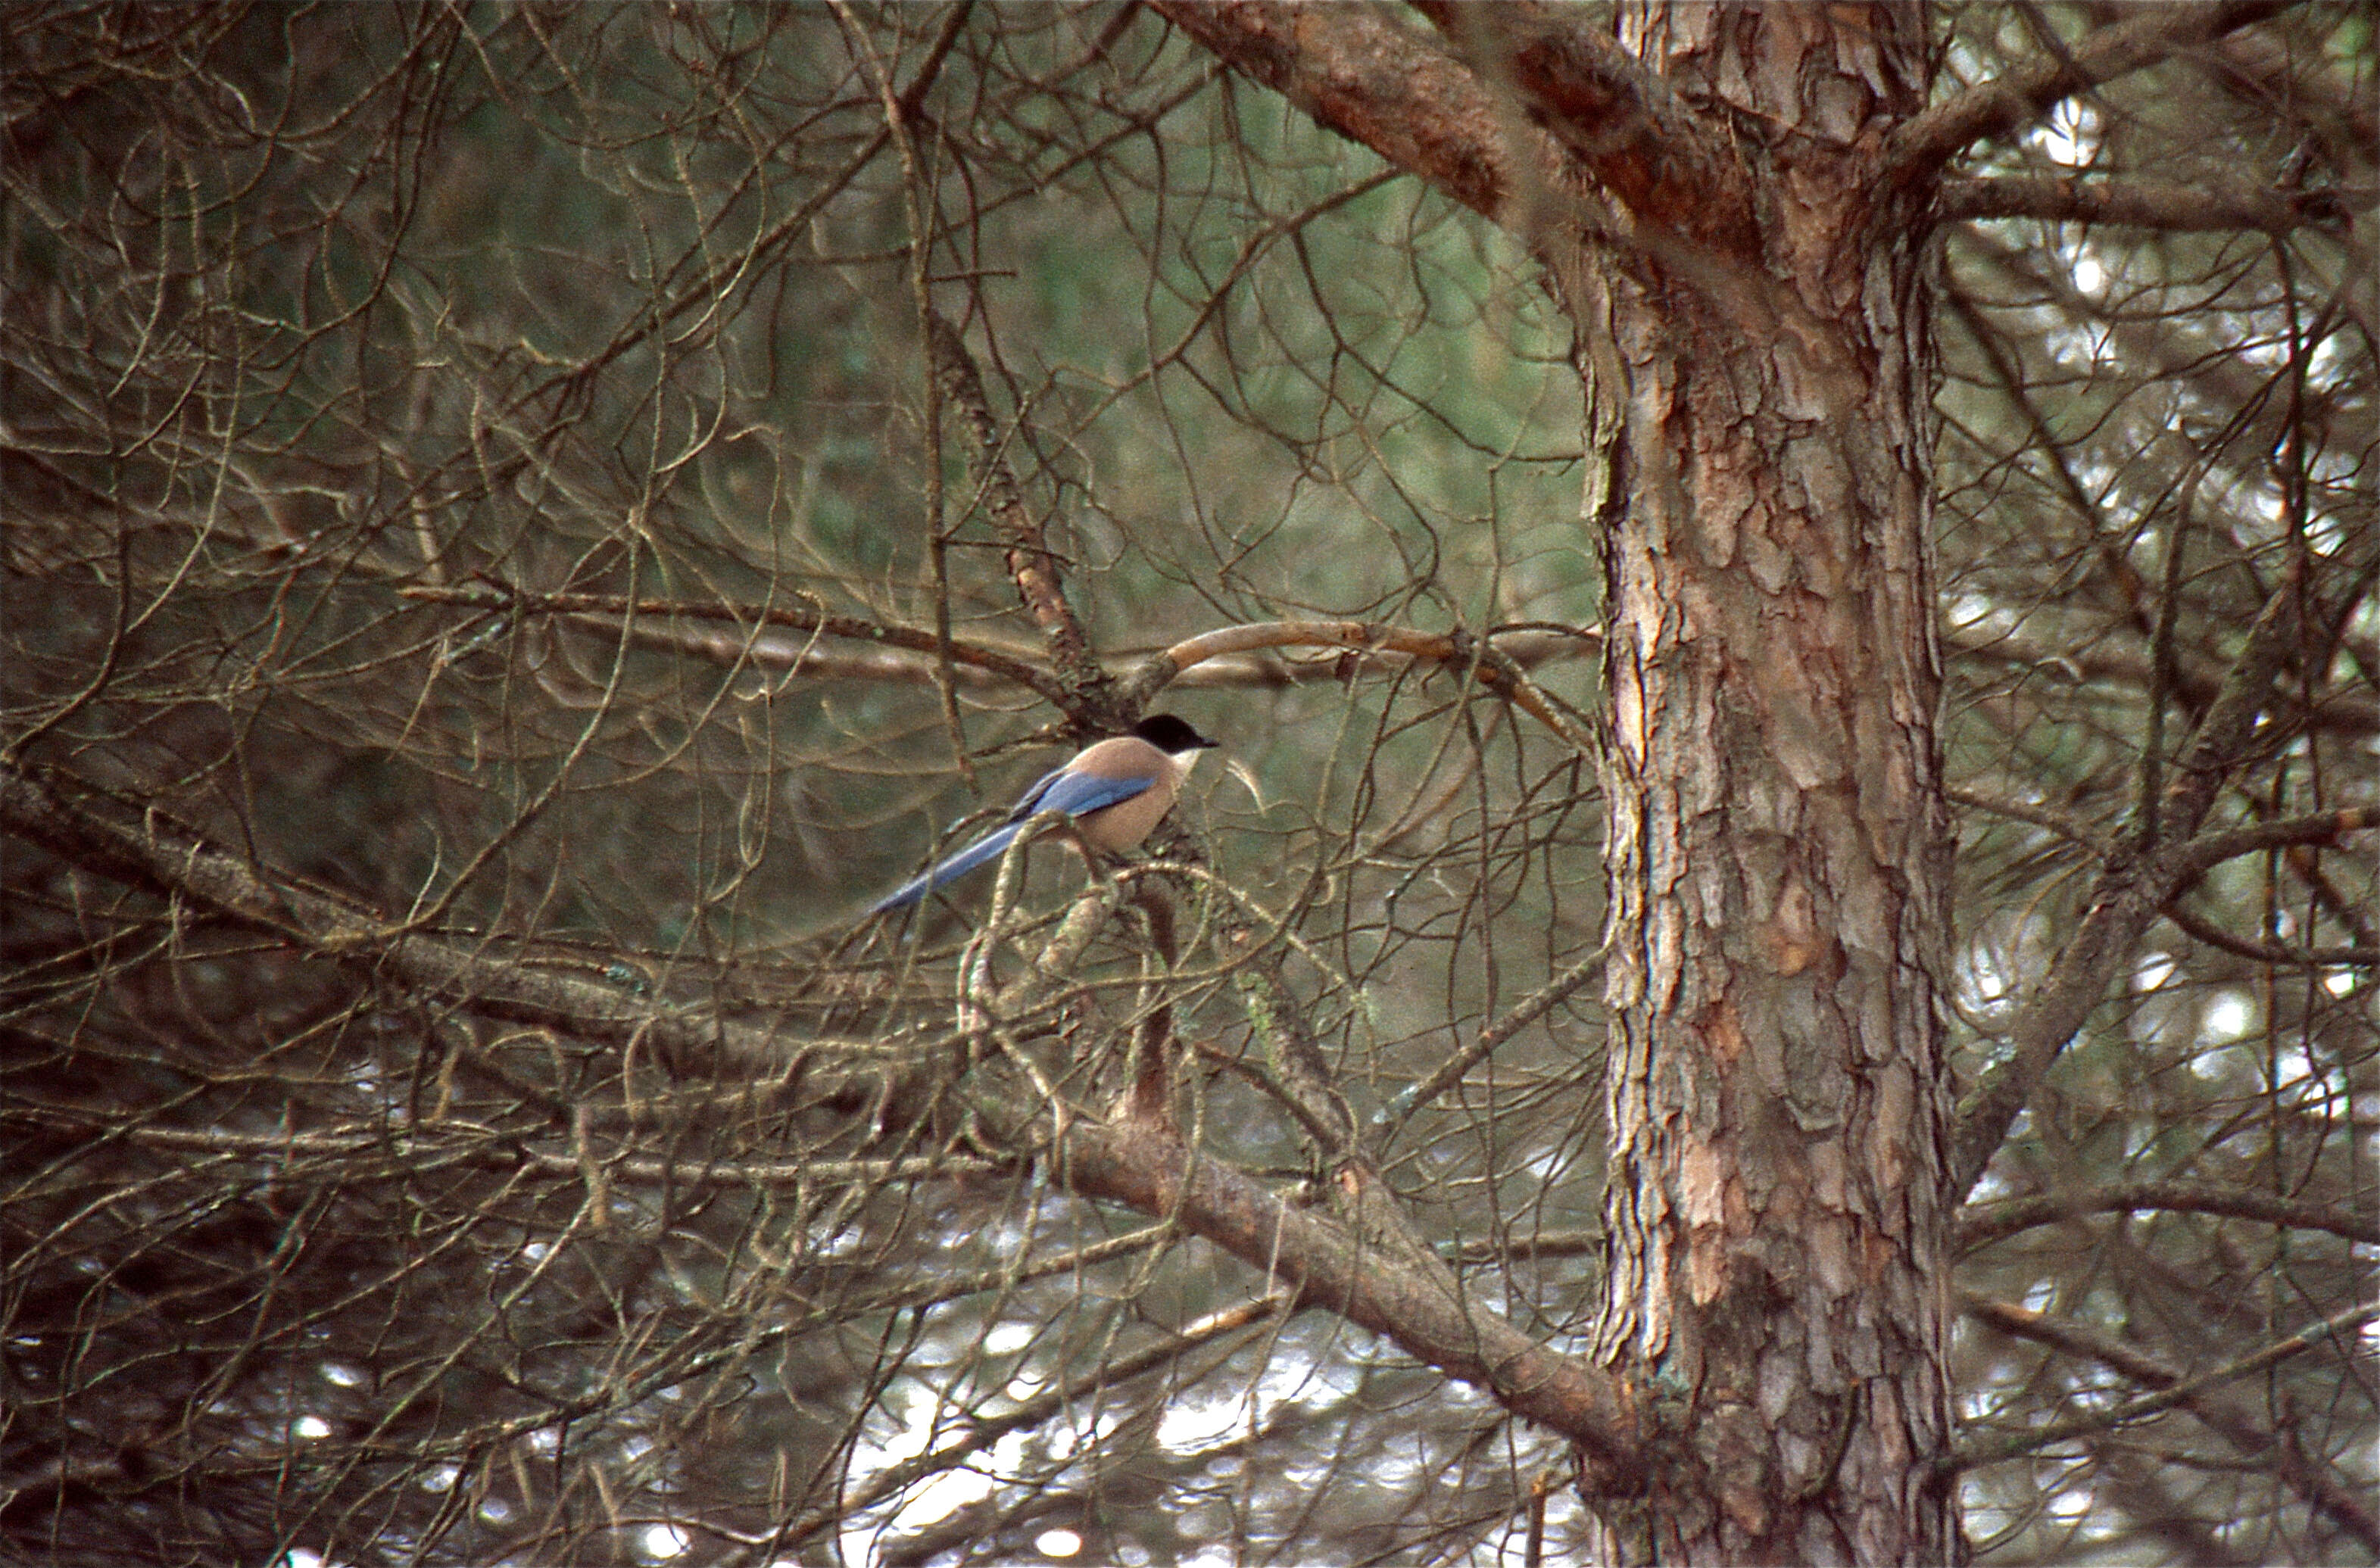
(520, 521)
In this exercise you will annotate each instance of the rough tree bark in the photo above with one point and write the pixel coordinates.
(1776, 842)
(1714, 193)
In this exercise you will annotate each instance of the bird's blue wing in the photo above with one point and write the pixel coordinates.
(1078, 795)
(1030, 801)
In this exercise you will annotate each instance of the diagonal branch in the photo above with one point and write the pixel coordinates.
(1627, 128)
(1151, 1171)
(1030, 562)
(1145, 1168)
(1596, 157)
(1418, 107)
(975, 1436)
(2340, 1326)
(76, 822)
(2134, 884)
(2308, 1478)
(1920, 147)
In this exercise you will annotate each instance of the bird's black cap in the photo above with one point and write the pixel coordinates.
(1172, 736)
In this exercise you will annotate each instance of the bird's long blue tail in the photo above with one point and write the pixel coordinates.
(985, 848)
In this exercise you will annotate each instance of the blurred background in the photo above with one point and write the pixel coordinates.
(452, 458)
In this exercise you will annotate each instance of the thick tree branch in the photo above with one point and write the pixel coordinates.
(1151, 1170)
(1600, 177)
(1996, 107)
(2136, 203)
(1420, 108)
(1131, 1163)
(1628, 130)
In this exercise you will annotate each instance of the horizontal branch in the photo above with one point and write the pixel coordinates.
(429, 1143)
(2187, 862)
(1457, 651)
(2337, 712)
(1212, 661)
(1988, 1223)
(504, 599)
(2155, 204)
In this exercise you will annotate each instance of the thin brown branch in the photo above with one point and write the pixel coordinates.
(2311, 1479)
(2214, 936)
(2133, 886)
(1040, 584)
(81, 825)
(2338, 1325)
(1055, 1401)
(2190, 861)
(2338, 711)
(1528, 1010)
(2068, 828)
(502, 598)
(1455, 650)
(1992, 1222)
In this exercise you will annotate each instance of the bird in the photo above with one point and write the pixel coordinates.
(1116, 790)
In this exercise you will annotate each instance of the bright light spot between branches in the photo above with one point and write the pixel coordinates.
(2227, 1016)
(2067, 136)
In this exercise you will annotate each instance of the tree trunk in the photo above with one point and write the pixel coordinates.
(1777, 1292)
